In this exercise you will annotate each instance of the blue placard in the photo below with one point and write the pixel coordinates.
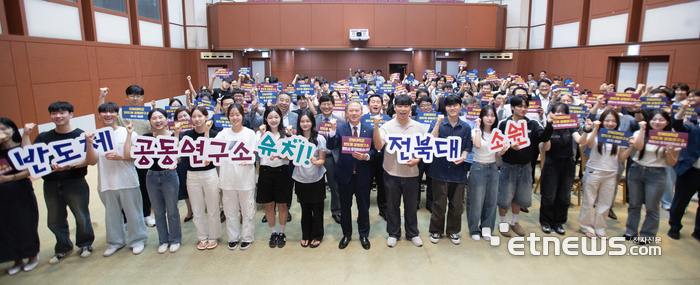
(690, 113)
(580, 111)
(653, 102)
(461, 79)
(171, 110)
(221, 121)
(620, 138)
(386, 88)
(135, 112)
(268, 97)
(244, 70)
(207, 104)
(426, 117)
(368, 119)
(472, 76)
(359, 87)
(304, 89)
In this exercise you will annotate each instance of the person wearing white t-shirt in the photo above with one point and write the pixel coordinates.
(118, 186)
(646, 178)
(237, 183)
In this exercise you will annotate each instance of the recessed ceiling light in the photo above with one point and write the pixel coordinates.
(250, 49)
(303, 48)
(408, 49)
(463, 49)
(357, 48)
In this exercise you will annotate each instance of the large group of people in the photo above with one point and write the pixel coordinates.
(487, 181)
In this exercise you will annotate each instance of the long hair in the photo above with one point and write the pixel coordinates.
(485, 111)
(16, 137)
(313, 132)
(667, 117)
(602, 119)
(280, 127)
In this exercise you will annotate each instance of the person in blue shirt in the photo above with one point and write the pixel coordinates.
(449, 177)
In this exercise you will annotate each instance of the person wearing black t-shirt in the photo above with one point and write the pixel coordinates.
(226, 88)
(66, 186)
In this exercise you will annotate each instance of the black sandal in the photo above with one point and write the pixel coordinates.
(307, 243)
(316, 245)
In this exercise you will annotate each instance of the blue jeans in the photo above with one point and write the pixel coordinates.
(74, 193)
(515, 185)
(163, 187)
(645, 185)
(482, 195)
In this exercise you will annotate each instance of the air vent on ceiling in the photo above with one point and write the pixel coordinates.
(216, 55)
(502, 55)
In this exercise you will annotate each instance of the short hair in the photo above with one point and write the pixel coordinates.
(205, 93)
(284, 93)
(519, 88)
(369, 98)
(666, 92)
(471, 100)
(303, 77)
(545, 72)
(274, 79)
(558, 78)
(422, 90)
(379, 70)
(135, 90)
(238, 91)
(630, 89)
(362, 81)
(518, 101)
(60, 106)
(531, 74)
(226, 97)
(347, 106)
(326, 98)
(424, 99)
(200, 108)
(681, 86)
(403, 100)
(108, 107)
(183, 109)
(544, 80)
(227, 80)
(452, 100)
(175, 100)
(238, 107)
(447, 85)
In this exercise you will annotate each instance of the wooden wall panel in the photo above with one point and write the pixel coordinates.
(327, 25)
(157, 86)
(358, 16)
(46, 59)
(234, 26)
(73, 92)
(374, 61)
(323, 60)
(389, 30)
(422, 25)
(686, 66)
(7, 72)
(115, 62)
(564, 61)
(451, 15)
(478, 34)
(265, 22)
(567, 11)
(302, 60)
(152, 62)
(348, 60)
(11, 107)
(294, 17)
(604, 8)
(282, 65)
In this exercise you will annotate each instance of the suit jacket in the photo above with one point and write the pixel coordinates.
(345, 162)
(690, 154)
(319, 118)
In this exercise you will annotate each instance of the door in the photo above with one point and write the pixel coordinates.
(396, 68)
(259, 66)
(630, 71)
(210, 71)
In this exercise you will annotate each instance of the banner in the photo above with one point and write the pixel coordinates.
(244, 70)
(135, 112)
(497, 142)
(369, 120)
(471, 76)
(463, 64)
(593, 98)
(534, 106)
(449, 78)
(620, 138)
(324, 128)
(268, 97)
(664, 138)
(395, 77)
(351, 145)
(304, 89)
(295, 148)
(208, 104)
(565, 121)
(185, 125)
(386, 88)
(690, 113)
(221, 121)
(485, 97)
(579, 111)
(423, 146)
(400, 89)
(5, 166)
(622, 99)
(517, 133)
(427, 117)
(171, 110)
(223, 73)
(491, 78)
(654, 102)
(340, 105)
(430, 74)
(473, 113)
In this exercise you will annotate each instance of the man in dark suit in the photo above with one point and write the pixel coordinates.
(353, 174)
(326, 104)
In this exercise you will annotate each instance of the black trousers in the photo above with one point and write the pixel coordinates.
(377, 174)
(361, 193)
(686, 186)
(555, 188)
(144, 192)
(312, 221)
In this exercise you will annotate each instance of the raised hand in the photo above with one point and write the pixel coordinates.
(376, 119)
(596, 125)
(262, 129)
(589, 123)
(478, 123)
(207, 125)
(440, 118)
(29, 127)
(642, 126)
(333, 121)
(89, 136)
(550, 117)
(153, 104)
(103, 92)
(130, 128)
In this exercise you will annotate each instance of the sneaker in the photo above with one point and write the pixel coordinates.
(504, 229)
(666, 208)
(434, 237)
(85, 251)
(245, 245)
(487, 238)
(417, 241)
(212, 244)
(477, 237)
(29, 266)
(202, 244)
(546, 229)
(150, 221)
(560, 230)
(111, 250)
(281, 240)
(391, 242)
(232, 245)
(162, 248)
(518, 229)
(59, 256)
(174, 247)
(273, 240)
(454, 238)
(136, 250)
(264, 220)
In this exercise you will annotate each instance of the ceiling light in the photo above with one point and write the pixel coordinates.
(303, 48)
(357, 48)
(464, 49)
(408, 49)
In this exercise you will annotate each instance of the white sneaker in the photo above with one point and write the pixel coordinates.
(417, 241)
(150, 221)
(85, 251)
(111, 250)
(476, 237)
(137, 249)
(487, 238)
(454, 238)
(174, 247)
(391, 241)
(434, 237)
(163, 248)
